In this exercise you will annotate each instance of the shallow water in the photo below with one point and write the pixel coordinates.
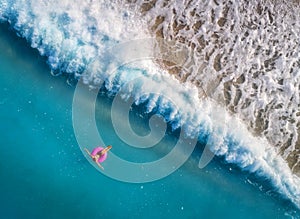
(44, 174)
(245, 56)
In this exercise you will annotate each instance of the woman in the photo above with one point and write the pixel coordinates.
(99, 154)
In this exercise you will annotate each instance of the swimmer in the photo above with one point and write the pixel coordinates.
(99, 154)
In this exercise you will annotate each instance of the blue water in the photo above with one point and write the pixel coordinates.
(45, 175)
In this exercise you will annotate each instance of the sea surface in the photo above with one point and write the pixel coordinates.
(44, 172)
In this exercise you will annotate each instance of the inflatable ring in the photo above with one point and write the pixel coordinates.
(96, 151)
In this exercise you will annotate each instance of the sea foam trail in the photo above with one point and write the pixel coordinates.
(75, 39)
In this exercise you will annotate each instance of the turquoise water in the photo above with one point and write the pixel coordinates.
(44, 173)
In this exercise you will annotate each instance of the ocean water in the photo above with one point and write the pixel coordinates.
(44, 173)
(52, 175)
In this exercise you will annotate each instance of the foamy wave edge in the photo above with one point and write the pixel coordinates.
(74, 36)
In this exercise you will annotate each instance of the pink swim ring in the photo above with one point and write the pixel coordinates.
(96, 151)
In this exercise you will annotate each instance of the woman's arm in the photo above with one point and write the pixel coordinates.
(87, 151)
(99, 165)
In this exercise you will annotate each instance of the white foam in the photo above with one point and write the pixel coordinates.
(75, 38)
